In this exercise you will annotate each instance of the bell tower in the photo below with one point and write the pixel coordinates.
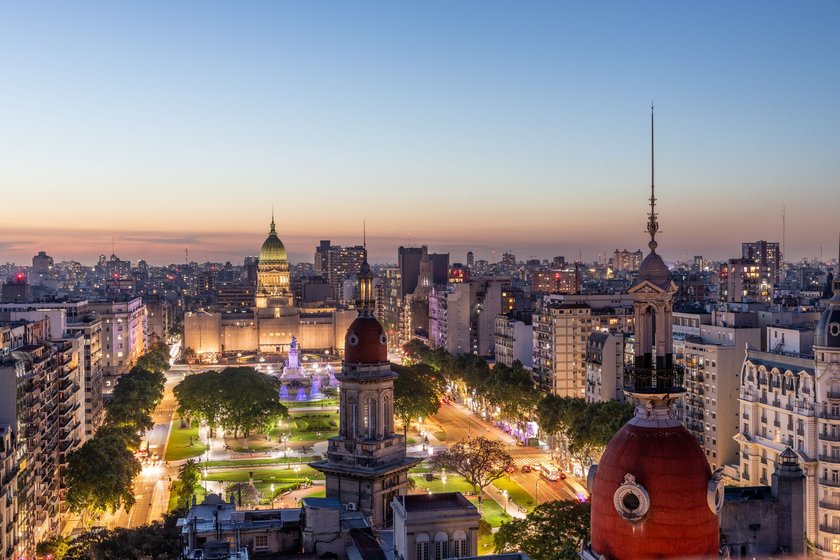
(366, 464)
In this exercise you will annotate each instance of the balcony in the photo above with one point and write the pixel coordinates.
(830, 505)
(830, 458)
(833, 395)
(652, 380)
(745, 416)
(828, 529)
(829, 482)
(777, 423)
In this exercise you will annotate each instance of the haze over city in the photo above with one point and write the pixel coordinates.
(159, 127)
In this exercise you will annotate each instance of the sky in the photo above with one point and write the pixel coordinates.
(151, 127)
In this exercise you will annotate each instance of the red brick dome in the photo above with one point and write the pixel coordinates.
(669, 477)
(365, 342)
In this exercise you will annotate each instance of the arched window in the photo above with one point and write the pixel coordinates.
(460, 547)
(369, 421)
(422, 544)
(352, 415)
(387, 421)
(441, 545)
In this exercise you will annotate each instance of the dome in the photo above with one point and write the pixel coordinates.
(653, 496)
(365, 342)
(654, 270)
(272, 249)
(828, 329)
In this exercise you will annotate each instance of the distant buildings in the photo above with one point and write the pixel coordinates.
(627, 261)
(336, 263)
(462, 316)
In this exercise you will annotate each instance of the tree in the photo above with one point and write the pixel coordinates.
(479, 460)
(156, 541)
(54, 548)
(184, 487)
(236, 398)
(415, 394)
(552, 531)
(512, 390)
(249, 400)
(595, 427)
(244, 493)
(100, 474)
(198, 397)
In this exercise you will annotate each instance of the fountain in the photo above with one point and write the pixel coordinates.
(315, 390)
(301, 395)
(292, 367)
(284, 393)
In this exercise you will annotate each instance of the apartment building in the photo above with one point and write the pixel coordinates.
(514, 341)
(462, 315)
(124, 335)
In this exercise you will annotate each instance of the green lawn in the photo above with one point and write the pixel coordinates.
(254, 443)
(263, 475)
(454, 483)
(248, 462)
(179, 442)
(323, 402)
(199, 497)
(318, 494)
(517, 494)
(312, 436)
(485, 544)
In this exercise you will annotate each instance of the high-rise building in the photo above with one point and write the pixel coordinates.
(366, 464)
(42, 268)
(336, 263)
(462, 316)
(764, 253)
(627, 261)
(514, 341)
(124, 335)
(711, 361)
(743, 280)
(470, 260)
(10, 529)
(556, 281)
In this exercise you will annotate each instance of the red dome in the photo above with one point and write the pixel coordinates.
(669, 465)
(365, 342)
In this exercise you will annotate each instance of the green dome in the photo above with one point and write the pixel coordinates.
(272, 249)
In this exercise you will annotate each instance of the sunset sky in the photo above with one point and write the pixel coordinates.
(480, 125)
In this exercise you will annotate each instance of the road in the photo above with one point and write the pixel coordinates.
(460, 424)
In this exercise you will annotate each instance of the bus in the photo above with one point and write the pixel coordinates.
(550, 472)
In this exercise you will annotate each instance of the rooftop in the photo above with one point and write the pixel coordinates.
(443, 500)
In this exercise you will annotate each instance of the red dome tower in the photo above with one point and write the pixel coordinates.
(653, 493)
(366, 463)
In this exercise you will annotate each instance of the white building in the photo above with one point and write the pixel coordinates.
(124, 334)
(793, 400)
(514, 341)
(462, 316)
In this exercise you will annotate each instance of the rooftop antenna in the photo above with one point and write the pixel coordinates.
(653, 224)
(186, 255)
(783, 234)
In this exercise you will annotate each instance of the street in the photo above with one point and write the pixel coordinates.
(459, 424)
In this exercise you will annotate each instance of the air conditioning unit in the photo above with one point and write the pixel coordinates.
(351, 506)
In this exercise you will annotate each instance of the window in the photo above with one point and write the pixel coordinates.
(441, 545)
(422, 544)
(459, 544)
(260, 542)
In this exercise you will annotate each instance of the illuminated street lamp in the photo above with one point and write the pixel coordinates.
(505, 494)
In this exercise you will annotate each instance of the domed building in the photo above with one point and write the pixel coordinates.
(366, 464)
(273, 273)
(653, 494)
(274, 320)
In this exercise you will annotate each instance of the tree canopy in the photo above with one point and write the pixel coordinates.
(240, 399)
(415, 392)
(479, 460)
(99, 475)
(552, 531)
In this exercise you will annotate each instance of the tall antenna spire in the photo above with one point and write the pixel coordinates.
(364, 235)
(653, 224)
(272, 217)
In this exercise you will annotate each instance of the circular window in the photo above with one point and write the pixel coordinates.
(834, 329)
(352, 339)
(715, 492)
(383, 340)
(631, 500)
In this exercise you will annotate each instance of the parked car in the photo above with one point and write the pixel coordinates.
(511, 469)
(526, 468)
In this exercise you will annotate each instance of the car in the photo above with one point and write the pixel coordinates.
(526, 468)
(562, 475)
(511, 469)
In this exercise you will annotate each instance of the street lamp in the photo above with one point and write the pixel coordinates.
(505, 494)
(537, 493)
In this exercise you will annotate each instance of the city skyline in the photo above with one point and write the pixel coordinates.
(181, 129)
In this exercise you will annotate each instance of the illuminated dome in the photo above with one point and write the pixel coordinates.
(365, 342)
(654, 496)
(272, 249)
